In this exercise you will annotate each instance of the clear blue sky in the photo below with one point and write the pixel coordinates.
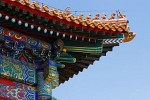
(123, 74)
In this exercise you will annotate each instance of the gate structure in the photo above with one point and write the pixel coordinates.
(42, 47)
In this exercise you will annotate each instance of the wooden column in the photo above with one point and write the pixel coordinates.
(44, 89)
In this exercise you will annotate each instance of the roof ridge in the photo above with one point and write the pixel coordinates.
(112, 22)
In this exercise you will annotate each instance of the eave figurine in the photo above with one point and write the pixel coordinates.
(42, 47)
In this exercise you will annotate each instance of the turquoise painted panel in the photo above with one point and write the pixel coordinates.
(17, 70)
(44, 89)
(51, 73)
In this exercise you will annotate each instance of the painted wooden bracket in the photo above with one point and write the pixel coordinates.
(50, 73)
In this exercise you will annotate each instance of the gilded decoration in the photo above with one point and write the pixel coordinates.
(129, 36)
(44, 88)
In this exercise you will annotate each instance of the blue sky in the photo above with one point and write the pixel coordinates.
(123, 74)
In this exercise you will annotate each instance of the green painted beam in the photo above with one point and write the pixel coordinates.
(60, 65)
(66, 58)
(17, 70)
(111, 37)
(84, 49)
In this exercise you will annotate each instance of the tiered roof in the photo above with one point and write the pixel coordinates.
(85, 38)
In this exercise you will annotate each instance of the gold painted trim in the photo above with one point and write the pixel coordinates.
(129, 36)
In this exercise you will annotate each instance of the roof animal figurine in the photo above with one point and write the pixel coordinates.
(45, 8)
(67, 10)
(35, 5)
(103, 17)
(121, 15)
(61, 15)
(69, 17)
(93, 23)
(96, 17)
(52, 12)
(66, 15)
(112, 16)
(96, 22)
(24, 2)
(78, 19)
(58, 38)
(87, 20)
(27, 2)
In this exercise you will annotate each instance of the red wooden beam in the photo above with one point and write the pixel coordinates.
(46, 15)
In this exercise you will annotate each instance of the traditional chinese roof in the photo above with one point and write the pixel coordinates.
(85, 38)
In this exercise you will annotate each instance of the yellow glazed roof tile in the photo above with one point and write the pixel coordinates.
(119, 24)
